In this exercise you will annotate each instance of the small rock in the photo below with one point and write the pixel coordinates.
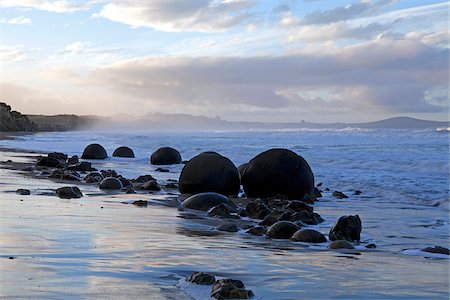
(298, 206)
(257, 230)
(317, 193)
(230, 289)
(110, 183)
(346, 228)
(58, 155)
(357, 192)
(257, 209)
(340, 244)
(124, 152)
(50, 162)
(327, 189)
(437, 249)
(220, 210)
(201, 278)
(81, 166)
(151, 185)
(371, 246)
(141, 203)
(171, 186)
(308, 218)
(109, 173)
(282, 230)
(23, 192)
(162, 170)
(11, 257)
(93, 177)
(69, 192)
(268, 221)
(130, 190)
(73, 160)
(339, 195)
(228, 227)
(143, 178)
(308, 236)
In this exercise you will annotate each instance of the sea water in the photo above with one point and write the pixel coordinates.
(404, 207)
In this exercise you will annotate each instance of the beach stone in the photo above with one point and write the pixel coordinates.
(23, 192)
(201, 278)
(298, 206)
(357, 192)
(69, 192)
(165, 156)
(209, 172)
(220, 210)
(130, 190)
(110, 183)
(143, 178)
(73, 160)
(58, 155)
(317, 193)
(109, 173)
(437, 249)
(93, 177)
(206, 201)
(278, 171)
(282, 230)
(346, 228)
(50, 162)
(125, 182)
(371, 246)
(268, 221)
(141, 203)
(162, 170)
(339, 195)
(151, 185)
(230, 289)
(94, 151)
(228, 227)
(306, 217)
(257, 230)
(65, 175)
(257, 209)
(81, 166)
(340, 244)
(123, 152)
(308, 236)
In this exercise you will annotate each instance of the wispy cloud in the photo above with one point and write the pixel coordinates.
(59, 6)
(16, 21)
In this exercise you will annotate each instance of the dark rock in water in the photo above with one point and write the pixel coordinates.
(123, 152)
(206, 201)
(81, 166)
(58, 155)
(340, 244)
(130, 190)
(298, 206)
(257, 209)
(327, 189)
(339, 195)
(50, 162)
(346, 228)
(357, 193)
(125, 182)
(242, 213)
(143, 178)
(437, 249)
(162, 170)
(209, 172)
(151, 185)
(23, 192)
(230, 289)
(69, 192)
(371, 246)
(94, 151)
(165, 156)
(278, 171)
(257, 230)
(110, 183)
(93, 177)
(282, 230)
(317, 193)
(109, 173)
(308, 236)
(73, 160)
(201, 278)
(65, 175)
(220, 210)
(141, 203)
(285, 216)
(268, 221)
(307, 217)
(171, 186)
(319, 184)
(228, 227)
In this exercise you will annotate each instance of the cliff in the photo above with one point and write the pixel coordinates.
(11, 120)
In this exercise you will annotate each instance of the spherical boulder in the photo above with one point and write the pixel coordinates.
(282, 230)
(206, 201)
(165, 156)
(94, 151)
(340, 244)
(111, 183)
(278, 172)
(209, 172)
(123, 152)
(308, 236)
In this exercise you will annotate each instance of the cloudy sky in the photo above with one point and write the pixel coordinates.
(313, 60)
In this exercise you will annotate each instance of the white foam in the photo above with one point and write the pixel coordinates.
(418, 252)
(195, 291)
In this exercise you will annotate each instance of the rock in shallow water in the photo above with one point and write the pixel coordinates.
(23, 192)
(340, 244)
(206, 201)
(339, 195)
(69, 192)
(437, 249)
(282, 230)
(230, 289)
(123, 152)
(308, 236)
(228, 227)
(94, 151)
(110, 183)
(346, 228)
(165, 156)
(201, 278)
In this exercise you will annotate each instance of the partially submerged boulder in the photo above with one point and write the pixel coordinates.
(50, 162)
(340, 244)
(201, 278)
(165, 156)
(282, 230)
(308, 236)
(123, 152)
(23, 192)
(94, 151)
(346, 228)
(278, 172)
(206, 201)
(437, 249)
(110, 183)
(69, 192)
(209, 172)
(230, 289)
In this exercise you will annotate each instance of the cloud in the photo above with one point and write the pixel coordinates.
(59, 6)
(11, 53)
(16, 21)
(385, 75)
(179, 15)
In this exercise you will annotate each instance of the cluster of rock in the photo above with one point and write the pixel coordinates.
(221, 288)
(11, 120)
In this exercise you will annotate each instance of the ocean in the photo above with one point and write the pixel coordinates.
(404, 206)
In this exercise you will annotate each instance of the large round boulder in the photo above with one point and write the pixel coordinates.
(308, 236)
(209, 172)
(282, 230)
(278, 172)
(165, 156)
(123, 152)
(111, 183)
(94, 151)
(206, 201)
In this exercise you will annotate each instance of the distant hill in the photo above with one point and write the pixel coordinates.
(402, 123)
(63, 122)
(11, 120)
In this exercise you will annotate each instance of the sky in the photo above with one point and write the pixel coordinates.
(241, 60)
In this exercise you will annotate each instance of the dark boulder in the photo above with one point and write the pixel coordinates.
(307, 217)
(81, 166)
(151, 185)
(308, 236)
(339, 195)
(23, 192)
(230, 289)
(58, 155)
(437, 249)
(346, 228)
(140, 203)
(125, 182)
(111, 183)
(65, 175)
(209, 172)
(297, 206)
(228, 227)
(165, 156)
(206, 201)
(123, 152)
(94, 151)
(220, 211)
(69, 192)
(109, 173)
(340, 244)
(143, 178)
(257, 209)
(282, 230)
(268, 221)
(93, 177)
(278, 172)
(257, 230)
(50, 162)
(73, 160)
(201, 278)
